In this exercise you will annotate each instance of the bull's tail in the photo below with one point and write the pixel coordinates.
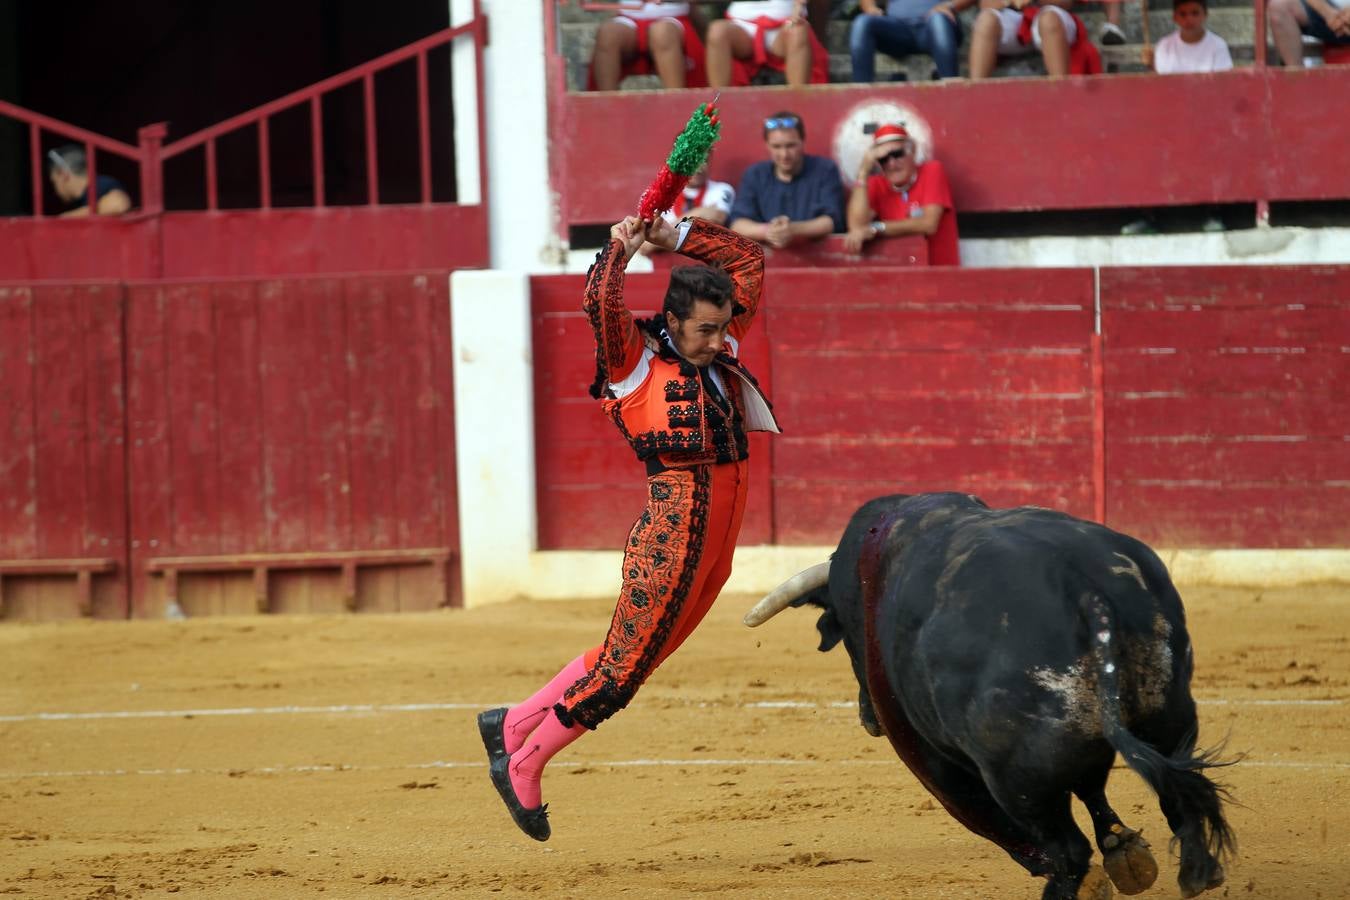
(1180, 778)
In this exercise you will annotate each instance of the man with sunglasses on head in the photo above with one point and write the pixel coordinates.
(908, 197)
(792, 196)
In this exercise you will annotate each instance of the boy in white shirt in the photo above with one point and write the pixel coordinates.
(1192, 47)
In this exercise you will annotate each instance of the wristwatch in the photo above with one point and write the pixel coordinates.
(879, 226)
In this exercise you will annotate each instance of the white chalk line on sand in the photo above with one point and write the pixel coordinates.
(617, 763)
(365, 708)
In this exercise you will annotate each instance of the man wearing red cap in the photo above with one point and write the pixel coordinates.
(908, 197)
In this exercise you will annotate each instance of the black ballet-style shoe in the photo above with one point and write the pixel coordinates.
(533, 822)
(492, 728)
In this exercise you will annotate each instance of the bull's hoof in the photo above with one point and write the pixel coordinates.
(1128, 860)
(1094, 886)
(1196, 888)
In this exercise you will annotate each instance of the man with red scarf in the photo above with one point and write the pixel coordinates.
(677, 392)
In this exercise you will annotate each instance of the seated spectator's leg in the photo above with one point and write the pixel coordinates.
(726, 40)
(615, 42)
(666, 41)
(894, 37)
(984, 41)
(793, 44)
(862, 46)
(1054, 31)
(941, 39)
(1288, 18)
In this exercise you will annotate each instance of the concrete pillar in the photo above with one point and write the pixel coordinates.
(494, 432)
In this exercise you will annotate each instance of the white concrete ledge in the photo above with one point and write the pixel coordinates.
(570, 574)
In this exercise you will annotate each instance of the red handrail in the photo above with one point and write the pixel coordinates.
(313, 94)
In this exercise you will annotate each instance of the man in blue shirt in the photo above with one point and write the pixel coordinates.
(792, 196)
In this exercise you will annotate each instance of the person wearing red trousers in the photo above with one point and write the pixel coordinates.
(677, 392)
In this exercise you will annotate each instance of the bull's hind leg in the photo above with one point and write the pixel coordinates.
(1190, 802)
(1047, 820)
(1046, 845)
(1125, 853)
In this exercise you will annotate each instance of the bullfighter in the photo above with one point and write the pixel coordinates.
(674, 387)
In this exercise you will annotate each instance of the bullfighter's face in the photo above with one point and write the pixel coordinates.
(700, 337)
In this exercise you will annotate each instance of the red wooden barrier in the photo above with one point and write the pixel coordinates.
(245, 243)
(1007, 144)
(1226, 403)
(1216, 414)
(589, 484)
(906, 380)
(281, 418)
(62, 491)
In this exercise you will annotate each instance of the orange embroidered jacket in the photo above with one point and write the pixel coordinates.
(669, 418)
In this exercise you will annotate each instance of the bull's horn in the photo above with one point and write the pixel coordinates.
(782, 596)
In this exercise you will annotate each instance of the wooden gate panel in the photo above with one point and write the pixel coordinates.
(62, 475)
(309, 446)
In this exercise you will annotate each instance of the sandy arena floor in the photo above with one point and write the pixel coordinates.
(337, 757)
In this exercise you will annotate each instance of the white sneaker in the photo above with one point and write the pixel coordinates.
(1111, 34)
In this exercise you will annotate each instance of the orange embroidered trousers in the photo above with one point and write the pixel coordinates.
(677, 559)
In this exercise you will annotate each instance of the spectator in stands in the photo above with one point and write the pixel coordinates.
(1326, 20)
(765, 33)
(900, 27)
(648, 37)
(702, 198)
(792, 196)
(1192, 47)
(908, 197)
(69, 172)
(1015, 27)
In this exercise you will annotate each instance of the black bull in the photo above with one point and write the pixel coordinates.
(1009, 655)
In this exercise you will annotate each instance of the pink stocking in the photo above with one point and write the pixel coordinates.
(527, 763)
(524, 718)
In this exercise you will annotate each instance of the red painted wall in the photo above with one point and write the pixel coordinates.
(1224, 403)
(290, 415)
(1228, 404)
(62, 455)
(245, 243)
(1007, 144)
(207, 418)
(908, 381)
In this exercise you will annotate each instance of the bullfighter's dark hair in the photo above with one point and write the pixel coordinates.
(690, 283)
